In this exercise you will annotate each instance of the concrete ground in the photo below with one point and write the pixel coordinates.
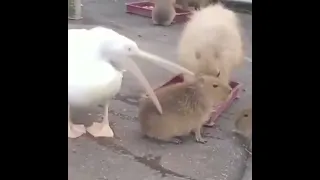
(129, 156)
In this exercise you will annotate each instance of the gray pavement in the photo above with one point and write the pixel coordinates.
(131, 157)
(248, 171)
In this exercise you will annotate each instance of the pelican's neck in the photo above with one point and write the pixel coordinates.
(85, 49)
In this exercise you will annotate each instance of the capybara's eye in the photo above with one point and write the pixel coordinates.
(215, 86)
(246, 115)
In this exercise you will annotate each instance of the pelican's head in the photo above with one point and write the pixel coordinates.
(121, 51)
(121, 48)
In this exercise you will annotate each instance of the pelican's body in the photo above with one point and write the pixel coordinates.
(92, 82)
(92, 78)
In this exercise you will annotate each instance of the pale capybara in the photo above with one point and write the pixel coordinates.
(211, 42)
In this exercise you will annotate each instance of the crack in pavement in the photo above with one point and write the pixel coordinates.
(153, 162)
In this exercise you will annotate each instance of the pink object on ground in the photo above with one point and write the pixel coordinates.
(142, 9)
(217, 110)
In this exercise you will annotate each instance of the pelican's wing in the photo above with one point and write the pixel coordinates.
(84, 60)
(81, 46)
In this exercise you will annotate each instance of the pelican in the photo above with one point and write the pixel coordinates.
(96, 60)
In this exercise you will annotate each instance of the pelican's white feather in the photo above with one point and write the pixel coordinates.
(91, 79)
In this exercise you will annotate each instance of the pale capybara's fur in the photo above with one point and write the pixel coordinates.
(163, 12)
(186, 107)
(211, 42)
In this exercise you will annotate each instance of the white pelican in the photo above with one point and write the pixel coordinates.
(92, 78)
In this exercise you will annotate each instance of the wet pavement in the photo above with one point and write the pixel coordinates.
(129, 155)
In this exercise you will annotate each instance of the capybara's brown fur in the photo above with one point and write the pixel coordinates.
(211, 42)
(186, 107)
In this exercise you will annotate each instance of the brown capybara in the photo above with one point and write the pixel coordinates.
(186, 107)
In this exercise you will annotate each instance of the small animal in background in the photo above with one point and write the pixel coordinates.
(197, 4)
(250, 147)
(186, 107)
(211, 42)
(163, 12)
(243, 125)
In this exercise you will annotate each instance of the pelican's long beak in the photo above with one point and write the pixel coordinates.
(166, 64)
(131, 66)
